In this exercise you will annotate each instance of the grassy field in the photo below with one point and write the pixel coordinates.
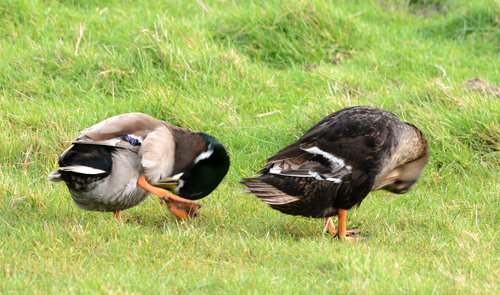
(249, 74)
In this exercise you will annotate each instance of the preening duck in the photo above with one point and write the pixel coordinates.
(115, 164)
(337, 162)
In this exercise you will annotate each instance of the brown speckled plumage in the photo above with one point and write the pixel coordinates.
(339, 160)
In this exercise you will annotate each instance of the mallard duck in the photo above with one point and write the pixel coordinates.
(337, 162)
(115, 164)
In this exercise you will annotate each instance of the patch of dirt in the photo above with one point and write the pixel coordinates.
(482, 87)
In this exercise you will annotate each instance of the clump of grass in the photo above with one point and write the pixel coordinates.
(436, 5)
(478, 21)
(468, 131)
(283, 34)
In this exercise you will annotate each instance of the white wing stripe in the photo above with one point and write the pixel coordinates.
(275, 170)
(316, 175)
(317, 151)
(336, 180)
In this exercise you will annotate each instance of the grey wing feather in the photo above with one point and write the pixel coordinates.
(135, 124)
(111, 131)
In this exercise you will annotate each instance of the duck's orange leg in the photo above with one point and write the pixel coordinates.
(342, 233)
(180, 207)
(118, 216)
(329, 226)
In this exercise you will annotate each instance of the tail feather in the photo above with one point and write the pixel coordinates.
(268, 193)
(55, 177)
(82, 170)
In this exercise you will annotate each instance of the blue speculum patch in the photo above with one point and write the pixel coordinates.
(133, 141)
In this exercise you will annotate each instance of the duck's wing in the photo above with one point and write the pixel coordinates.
(342, 146)
(287, 186)
(149, 138)
(125, 130)
(327, 147)
(320, 165)
(333, 135)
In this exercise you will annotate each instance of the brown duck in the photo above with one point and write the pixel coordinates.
(337, 162)
(115, 164)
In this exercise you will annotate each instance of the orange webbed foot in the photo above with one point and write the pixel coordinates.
(342, 233)
(352, 236)
(181, 210)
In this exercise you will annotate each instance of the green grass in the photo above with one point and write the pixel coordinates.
(247, 73)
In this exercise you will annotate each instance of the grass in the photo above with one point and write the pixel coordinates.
(247, 73)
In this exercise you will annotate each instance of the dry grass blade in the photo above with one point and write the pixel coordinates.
(347, 87)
